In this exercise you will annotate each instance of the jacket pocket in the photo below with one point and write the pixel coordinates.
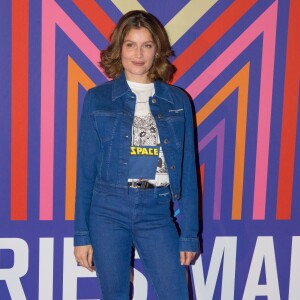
(106, 124)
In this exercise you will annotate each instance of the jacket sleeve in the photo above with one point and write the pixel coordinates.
(188, 204)
(88, 147)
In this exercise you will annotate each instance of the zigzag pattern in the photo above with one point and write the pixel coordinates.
(54, 16)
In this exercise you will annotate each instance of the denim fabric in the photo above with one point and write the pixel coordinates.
(104, 146)
(121, 217)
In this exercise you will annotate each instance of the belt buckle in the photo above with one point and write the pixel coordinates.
(142, 184)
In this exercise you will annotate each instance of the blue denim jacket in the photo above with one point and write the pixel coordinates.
(104, 143)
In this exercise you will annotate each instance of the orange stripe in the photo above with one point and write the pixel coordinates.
(75, 76)
(97, 16)
(240, 143)
(211, 35)
(19, 109)
(289, 116)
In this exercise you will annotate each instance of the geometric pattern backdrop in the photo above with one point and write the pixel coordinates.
(238, 59)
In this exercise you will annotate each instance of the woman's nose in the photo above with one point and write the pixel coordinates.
(138, 52)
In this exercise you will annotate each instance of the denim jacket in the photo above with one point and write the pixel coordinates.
(104, 143)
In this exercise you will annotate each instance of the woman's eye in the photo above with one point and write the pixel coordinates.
(149, 46)
(129, 45)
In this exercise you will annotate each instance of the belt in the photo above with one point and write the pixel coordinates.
(141, 184)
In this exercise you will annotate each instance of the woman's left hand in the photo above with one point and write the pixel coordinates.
(186, 257)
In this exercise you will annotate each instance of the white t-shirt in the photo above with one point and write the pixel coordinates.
(145, 139)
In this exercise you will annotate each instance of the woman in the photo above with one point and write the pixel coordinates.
(136, 154)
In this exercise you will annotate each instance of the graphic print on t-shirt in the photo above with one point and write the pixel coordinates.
(146, 152)
(144, 132)
(144, 149)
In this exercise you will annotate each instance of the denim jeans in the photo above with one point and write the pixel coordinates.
(122, 217)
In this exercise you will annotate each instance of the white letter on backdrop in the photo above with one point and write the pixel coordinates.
(263, 252)
(12, 276)
(46, 268)
(294, 291)
(224, 247)
(72, 271)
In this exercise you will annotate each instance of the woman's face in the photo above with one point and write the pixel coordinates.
(138, 52)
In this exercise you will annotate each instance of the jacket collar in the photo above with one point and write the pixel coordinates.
(120, 88)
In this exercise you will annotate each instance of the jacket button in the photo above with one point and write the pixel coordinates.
(166, 141)
(172, 167)
(153, 100)
(176, 196)
(159, 116)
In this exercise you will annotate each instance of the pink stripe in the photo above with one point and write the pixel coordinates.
(265, 24)
(217, 132)
(47, 114)
(264, 117)
(52, 14)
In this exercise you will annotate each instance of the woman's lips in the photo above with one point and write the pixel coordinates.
(138, 63)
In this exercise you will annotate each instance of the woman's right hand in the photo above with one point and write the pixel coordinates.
(84, 256)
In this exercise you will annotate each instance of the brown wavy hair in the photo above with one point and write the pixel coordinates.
(161, 69)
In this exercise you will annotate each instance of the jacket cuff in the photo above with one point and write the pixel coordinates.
(189, 244)
(82, 238)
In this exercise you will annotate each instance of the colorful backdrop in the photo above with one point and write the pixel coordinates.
(238, 59)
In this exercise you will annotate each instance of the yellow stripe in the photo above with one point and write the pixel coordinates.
(75, 76)
(181, 22)
(126, 6)
(186, 18)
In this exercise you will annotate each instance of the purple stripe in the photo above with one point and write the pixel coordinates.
(218, 132)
